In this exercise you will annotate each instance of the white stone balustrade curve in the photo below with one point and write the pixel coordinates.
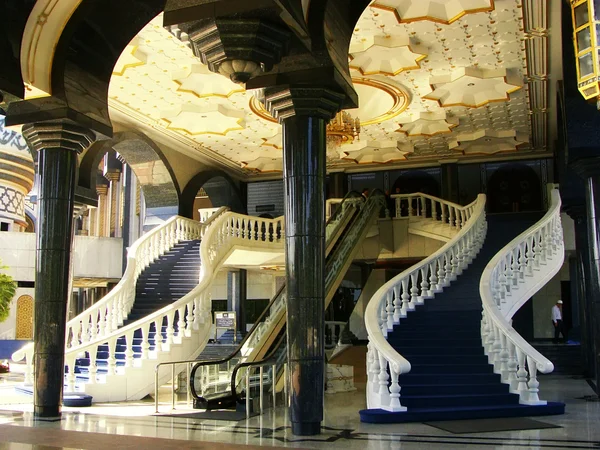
(509, 280)
(226, 232)
(420, 205)
(413, 287)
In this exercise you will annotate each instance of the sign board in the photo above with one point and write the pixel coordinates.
(225, 319)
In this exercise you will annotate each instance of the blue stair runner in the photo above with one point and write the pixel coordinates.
(163, 282)
(450, 377)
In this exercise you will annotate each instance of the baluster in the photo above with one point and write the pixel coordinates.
(395, 404)
(410, 206)
(111, 360)
(423, 208)
(433, 286)
(94, 325)
(181, 322)
(170, 327)
(530, 255)
(70, 363)
(441, 273)
(522, 388)
(383, 316)
(102, 321)
(129, 349)
(189, 318)
(389, 308)
(424, 285)
(451, 216)
(114, 313)
(86, 328)
(384, 393)
(405, 297)
(448, 267)
(444, 215)
(489, 344)
(414, 291)
(158, 336)
(75, 333)
(534, 384)
(504, 373)
(250, 230)
(145, 344)
(373, 370)
(395, 291)
(398, 207)
(93, 368)
(522, 262)
(512, 365)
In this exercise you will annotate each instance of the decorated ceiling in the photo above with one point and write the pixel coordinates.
(436, 80)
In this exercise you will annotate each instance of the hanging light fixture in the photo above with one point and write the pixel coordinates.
(586, 26)
(343, 129)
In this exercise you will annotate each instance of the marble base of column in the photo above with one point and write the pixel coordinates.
(58, 145)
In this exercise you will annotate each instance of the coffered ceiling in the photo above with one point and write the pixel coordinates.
(436, 80)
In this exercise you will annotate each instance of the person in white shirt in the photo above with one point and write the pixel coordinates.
(557, 321)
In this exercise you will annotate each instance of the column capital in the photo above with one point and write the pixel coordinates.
(284, 102)
(58, 134)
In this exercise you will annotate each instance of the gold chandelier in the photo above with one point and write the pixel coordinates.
(343, 129)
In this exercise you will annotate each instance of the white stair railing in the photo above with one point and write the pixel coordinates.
(510, 279)
(105, 316)
(420, 205)
(411, 288)
(225, 232)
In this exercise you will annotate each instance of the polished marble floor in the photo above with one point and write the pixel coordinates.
(135, 425)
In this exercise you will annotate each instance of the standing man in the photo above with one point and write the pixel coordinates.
(557, 321)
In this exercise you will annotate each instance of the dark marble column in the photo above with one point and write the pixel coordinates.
(58, 144)
(305, 113)
(450, 182)
(236, 297)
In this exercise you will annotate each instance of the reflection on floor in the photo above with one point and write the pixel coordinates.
(134, 425)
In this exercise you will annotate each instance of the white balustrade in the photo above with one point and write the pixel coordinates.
(396, 298)
(98, 325)
(509, 280)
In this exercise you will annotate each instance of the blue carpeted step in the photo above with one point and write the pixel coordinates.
(409, 351)
(420, 359)
(454, 389)
(451, 368)
(458, 400)
(427, 378)
(459, 413)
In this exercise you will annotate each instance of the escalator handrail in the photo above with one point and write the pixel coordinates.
(258, 321)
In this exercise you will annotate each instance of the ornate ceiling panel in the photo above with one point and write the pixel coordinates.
(422, 83)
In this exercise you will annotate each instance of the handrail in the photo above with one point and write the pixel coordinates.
(403, 293)
(516, 273)
(332, 222)
(449, 212)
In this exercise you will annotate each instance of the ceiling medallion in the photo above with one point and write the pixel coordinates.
(488, 142)
(440, 11)
(386, 55)
(427, 124)
(473, 87)
(398, 99)
(376, 152)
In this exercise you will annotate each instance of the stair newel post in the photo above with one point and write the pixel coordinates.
(534, 384)
(503, 358)
(395, 294)
(433, 278)
(512, 365)
(414, 290)
(129, 349)
(111, 360)
(384, 393)
(93, 368)
(522, 388)
(405, 297)
(424, 285)
(170, 327)
(70, 363)
(145, 345)
(181, 324)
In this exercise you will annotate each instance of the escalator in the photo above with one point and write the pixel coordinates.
(220, 384)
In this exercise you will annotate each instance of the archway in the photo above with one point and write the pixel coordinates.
(219, 189)
(514, 188)
(147, 162)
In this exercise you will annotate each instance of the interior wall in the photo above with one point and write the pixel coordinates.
(543, 302)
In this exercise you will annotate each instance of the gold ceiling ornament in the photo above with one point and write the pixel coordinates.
(343, 129)
(194, 119)
(488, 142)
(203, 83)
(586, 39)
(427, 124)
(268, 161)
(377, 152)
(396, 97)
(440, 11)
(386, 55)
(473, 87)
